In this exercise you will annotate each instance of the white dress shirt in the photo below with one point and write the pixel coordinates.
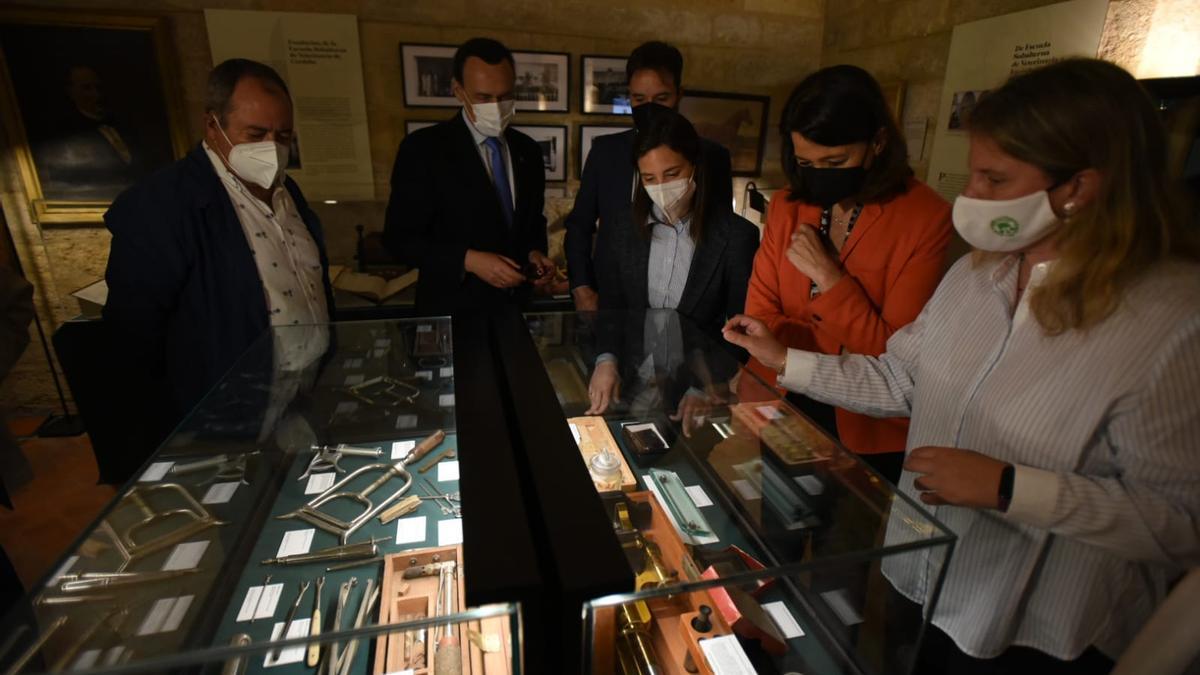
(485, 154)
(288, 262)
(1102, 426)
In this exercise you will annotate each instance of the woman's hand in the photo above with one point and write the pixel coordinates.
(693, 410)
(754, 336)
(809, 254)
(605, 387)
(956, 477)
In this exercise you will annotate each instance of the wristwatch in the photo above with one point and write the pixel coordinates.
(1004, 496)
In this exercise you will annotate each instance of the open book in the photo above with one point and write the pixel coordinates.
(368, 285)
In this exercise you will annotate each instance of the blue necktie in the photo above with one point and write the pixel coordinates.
(500, 178)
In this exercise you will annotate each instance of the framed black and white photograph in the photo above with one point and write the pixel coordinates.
(94, 107)
(552, 139)
(736, 121)
(543, 81)
(428, 76)
(589, 133)
(605, 91)
(412, 125)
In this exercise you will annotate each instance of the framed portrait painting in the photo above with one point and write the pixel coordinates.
(428, 72)
(543, 81)
(552, 139)
(736, 121)
(91, 107)
(605, 91)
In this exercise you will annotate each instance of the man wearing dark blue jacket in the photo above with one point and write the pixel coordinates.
(209, 252)
(654, 72)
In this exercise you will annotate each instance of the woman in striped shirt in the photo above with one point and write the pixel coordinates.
(1053, 383)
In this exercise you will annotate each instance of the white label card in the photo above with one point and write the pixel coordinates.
(450, 532)
(406, 421)
(185, 556)
(295, 542)
(402, 448)
(747, 490)
(424, 329)
(424, 375)
(318, 482)
(353, 363)
(165, 615)
(156, 471)
(784, 619)
(379, 353)
(86, 660)
(726, 657)
(220, 493)
(260, 604)
(410, 671)
(410, 530)
(447, 471)
(383, 343)
(699, 497)
(352, 380)
(575, 433)
(279, 657)
(446, 400)
(769, 412)
(114, 654)
(811, 484)
(448, 371)
(345, 408)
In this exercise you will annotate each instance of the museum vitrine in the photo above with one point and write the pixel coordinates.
(756, 543)
(307, 516)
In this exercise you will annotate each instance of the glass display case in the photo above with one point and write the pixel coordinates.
(756, 543)
(307, 516)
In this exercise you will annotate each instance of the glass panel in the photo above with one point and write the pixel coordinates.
(321, 472)
(707, 472)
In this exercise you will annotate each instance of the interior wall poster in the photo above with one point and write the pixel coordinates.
(983, 54)
(318, 56)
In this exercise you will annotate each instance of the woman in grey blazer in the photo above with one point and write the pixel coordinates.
(673, 250)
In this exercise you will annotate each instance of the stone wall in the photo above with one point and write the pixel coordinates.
(748, 46)
(909, 41)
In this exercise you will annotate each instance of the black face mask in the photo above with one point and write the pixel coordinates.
(826, 187)
(647, 112)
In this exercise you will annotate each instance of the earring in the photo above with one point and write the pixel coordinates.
(1068, 211)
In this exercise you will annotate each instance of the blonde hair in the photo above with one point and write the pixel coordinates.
(1089, 114)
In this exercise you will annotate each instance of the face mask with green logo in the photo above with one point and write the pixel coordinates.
(1004, 225)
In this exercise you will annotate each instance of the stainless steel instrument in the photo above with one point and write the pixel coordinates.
(196, 520)
(329, 457)
(365, 549)
(291, 616)
(311, 512)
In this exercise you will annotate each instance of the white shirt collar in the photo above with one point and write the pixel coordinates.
(233, 182)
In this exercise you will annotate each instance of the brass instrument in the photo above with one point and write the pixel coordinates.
(74, 583)
(635, 651)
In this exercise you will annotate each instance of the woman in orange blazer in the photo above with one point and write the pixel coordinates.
(853, 249)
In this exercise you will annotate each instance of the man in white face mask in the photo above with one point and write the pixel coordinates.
(467, 194)
(210, 252)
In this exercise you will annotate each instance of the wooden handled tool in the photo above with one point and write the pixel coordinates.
(314, 649)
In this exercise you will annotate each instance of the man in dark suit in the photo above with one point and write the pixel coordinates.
(467, 195)
(654, 72)
(209, 252)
